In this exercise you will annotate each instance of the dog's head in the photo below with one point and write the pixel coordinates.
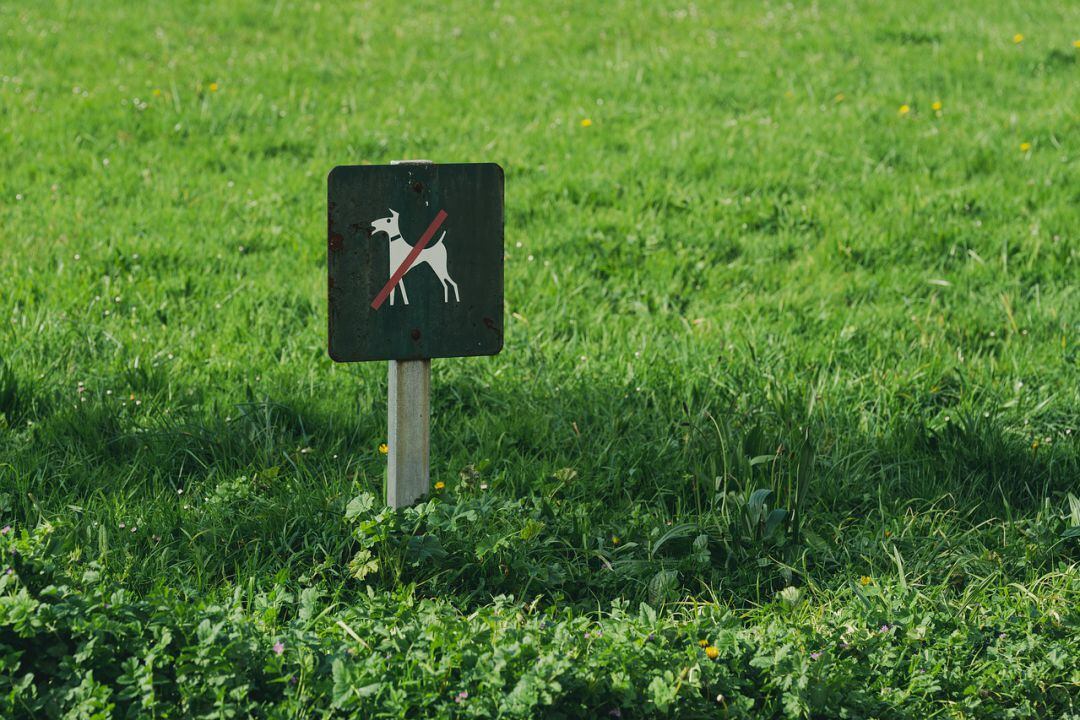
(388, 225)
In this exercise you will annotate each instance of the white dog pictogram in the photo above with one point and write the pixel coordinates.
(434, 255)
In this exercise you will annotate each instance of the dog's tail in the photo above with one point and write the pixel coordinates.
(439, 240)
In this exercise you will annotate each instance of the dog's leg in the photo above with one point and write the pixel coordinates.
(404, 295)
(393, 292)
(457, 298)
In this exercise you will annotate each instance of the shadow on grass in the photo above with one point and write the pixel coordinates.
(594, 491)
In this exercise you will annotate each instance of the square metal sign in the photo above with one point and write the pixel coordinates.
(415, 261)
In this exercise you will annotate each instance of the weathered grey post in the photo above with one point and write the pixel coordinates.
(408, 468)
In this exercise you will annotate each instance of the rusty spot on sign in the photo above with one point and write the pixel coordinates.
(415, 333)
(336, 242)
(490, 325)
(418, 187)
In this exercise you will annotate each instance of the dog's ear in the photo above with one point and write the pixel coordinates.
(393, 212)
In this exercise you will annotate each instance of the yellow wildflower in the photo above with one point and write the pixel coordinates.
(384, 448)
(865, 580)
(213, 87)
(586, 123)
(157, 92)
(703, 643)
(712, 653)
(1025, 146)
(440, 485)
(615, 540)
(1076, 43)
(936, 106)
(839, 97)
(904, 110)
(1018, 38)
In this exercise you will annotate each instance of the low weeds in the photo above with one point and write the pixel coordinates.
(77, 647)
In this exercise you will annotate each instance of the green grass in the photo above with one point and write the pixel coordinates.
(751, 271)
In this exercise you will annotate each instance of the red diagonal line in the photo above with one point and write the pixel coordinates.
(409, 260)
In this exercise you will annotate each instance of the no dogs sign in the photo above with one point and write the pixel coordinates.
(415, 261)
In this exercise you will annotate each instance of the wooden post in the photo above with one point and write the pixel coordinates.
(408, 468)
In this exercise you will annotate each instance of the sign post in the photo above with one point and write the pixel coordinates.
(384, 222)
(408, 466)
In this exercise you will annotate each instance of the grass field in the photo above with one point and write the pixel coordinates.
(785, 424)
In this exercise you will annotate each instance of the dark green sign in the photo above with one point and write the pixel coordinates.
(415, 261)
